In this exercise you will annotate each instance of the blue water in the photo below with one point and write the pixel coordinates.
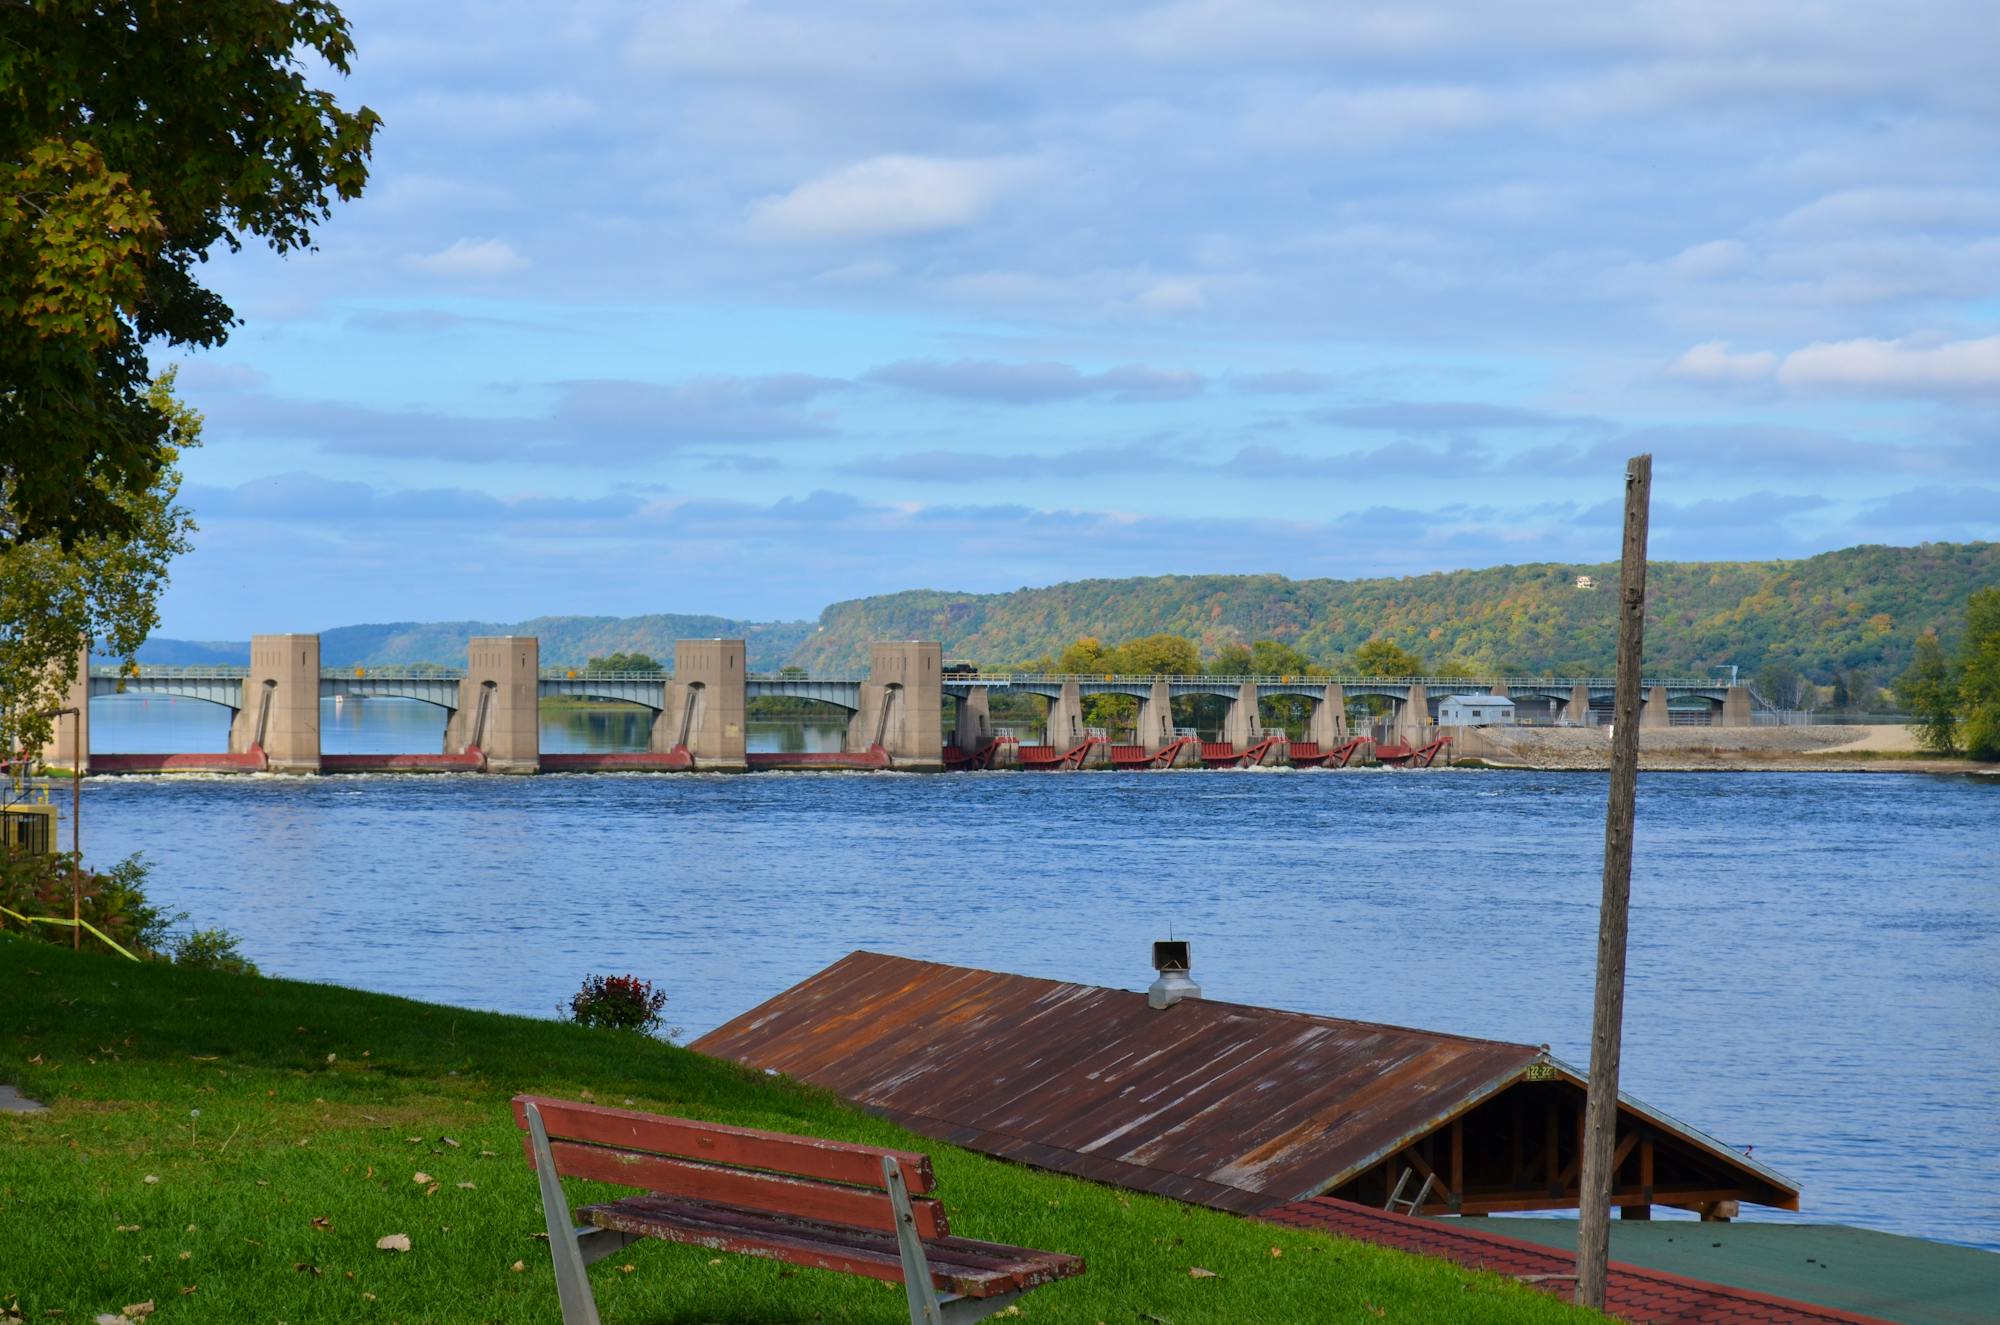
(1815, 959)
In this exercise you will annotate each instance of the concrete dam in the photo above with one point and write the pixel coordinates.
(909, 711)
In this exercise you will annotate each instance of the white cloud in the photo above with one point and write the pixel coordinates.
(1914, 363)
(469, 257)
(888, 195)
(1719, 257)
(1897, 210)
(1907, 364)
(1174, 296)
(1712, 361)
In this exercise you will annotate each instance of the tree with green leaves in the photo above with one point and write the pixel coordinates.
(135, 137)
(1157, 655)
(1979, 675)
(1230, 660)
(1928, 692)
(1270, 658)
(103, 587)
(625, 662)
(1085, 657)
(1384, 657)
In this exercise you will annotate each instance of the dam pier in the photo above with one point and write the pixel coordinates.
(907, 711)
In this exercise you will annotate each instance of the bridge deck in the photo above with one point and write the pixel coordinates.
(439, 685)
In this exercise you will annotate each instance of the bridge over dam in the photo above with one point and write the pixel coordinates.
(907, 711)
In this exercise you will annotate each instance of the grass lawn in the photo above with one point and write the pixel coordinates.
(230, 1148)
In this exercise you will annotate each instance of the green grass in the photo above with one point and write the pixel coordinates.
(318, 1105)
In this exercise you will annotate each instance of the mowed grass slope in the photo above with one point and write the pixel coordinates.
(231, 1148)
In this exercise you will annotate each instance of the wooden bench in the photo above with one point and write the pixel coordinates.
(827, 1204)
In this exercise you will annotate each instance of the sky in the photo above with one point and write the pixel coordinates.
(747, 308)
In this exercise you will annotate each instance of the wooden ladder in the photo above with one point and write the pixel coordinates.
(1396, 1202)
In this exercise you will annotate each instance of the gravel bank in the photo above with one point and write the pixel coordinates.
(1824, 749)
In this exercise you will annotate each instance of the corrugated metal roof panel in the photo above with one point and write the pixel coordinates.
(1228, 1105)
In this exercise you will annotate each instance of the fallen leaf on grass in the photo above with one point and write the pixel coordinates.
(1374, 1309)
(1196, 1272)
(322, 1223)
(137, 1310)
(448, 1141)
(489, 1154)
(189, 1290)
(393, 1242)
(152, 1178)
(128, 1228)
(307, 1267)
(1277, 1252)
(468, 1186)
(367, 1297)
(518, 1266)
(715, 1260)
(420, 1177)
(627, 1269)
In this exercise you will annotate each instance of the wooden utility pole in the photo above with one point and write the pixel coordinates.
(1607, 1017)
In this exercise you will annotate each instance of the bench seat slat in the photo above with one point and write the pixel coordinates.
(719, 1143)
(958, 1265)
(821, 1202)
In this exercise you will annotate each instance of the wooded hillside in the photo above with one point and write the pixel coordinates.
(1859, 608)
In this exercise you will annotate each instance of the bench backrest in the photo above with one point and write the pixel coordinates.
(832, 1182)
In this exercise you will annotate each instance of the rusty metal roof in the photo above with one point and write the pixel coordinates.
(1221, 1104)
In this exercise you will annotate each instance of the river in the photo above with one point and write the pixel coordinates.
(1815, 958)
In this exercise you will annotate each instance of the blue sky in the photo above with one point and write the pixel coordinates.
(747, 308)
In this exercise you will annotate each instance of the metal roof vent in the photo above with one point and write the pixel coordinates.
(1170, 959)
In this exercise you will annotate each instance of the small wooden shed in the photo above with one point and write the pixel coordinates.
(1221, 1104)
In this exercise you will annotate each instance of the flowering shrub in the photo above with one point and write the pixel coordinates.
(621, 1002)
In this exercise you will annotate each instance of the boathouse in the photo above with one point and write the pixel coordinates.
(1221, 1104)
(1476, 711)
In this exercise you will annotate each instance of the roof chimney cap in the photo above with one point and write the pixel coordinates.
(1170, 959)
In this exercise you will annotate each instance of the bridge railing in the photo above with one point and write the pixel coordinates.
(426, 672)
(193, 672)
(1428, 682)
